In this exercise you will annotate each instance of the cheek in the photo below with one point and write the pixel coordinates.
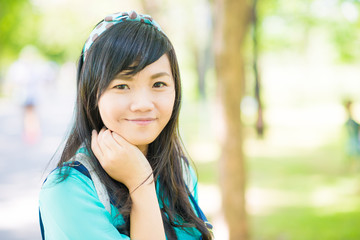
(167, 105)
(103, 110)
(108, 109)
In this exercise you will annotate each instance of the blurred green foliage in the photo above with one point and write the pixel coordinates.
(53, 30)
(289, 25)
(283, 25)
(18, 27)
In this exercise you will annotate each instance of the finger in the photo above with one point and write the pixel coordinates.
(120, 140)
(101, 140)
(95, 145)
(110, 142)
(101, 133)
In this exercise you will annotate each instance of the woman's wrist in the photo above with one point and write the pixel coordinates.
(145, 217)
(148, 180)
(143, 191)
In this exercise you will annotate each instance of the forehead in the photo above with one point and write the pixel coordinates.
(162, 65)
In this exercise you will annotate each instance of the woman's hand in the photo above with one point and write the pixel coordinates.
(123, 161)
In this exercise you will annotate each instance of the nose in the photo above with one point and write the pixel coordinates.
(142, 101)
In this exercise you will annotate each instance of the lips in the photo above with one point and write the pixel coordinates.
(141, 121)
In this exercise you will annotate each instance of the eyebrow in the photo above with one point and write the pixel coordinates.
(123, 77)
(160, 74)
(129, 77)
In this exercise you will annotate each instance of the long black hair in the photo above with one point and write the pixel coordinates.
(131, 46)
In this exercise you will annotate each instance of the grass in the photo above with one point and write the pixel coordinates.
(318, 194)
(295, 192)
(304, 196)
(301, 223)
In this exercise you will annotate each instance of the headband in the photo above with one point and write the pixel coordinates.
(116, 18)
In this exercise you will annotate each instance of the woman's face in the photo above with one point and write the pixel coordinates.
(139, 107)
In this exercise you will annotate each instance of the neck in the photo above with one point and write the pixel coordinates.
(143, 149)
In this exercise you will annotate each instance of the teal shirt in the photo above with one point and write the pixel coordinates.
(72, 210)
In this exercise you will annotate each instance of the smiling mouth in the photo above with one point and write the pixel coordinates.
(142, 121)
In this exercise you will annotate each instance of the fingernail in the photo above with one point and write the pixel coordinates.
(93, 132)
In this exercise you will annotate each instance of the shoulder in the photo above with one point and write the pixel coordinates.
(60, 192)
(65, 204)
(54, 179)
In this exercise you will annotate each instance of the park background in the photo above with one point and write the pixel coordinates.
(300, 183)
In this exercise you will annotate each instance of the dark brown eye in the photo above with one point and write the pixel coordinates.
(122, 87)
(159, 84)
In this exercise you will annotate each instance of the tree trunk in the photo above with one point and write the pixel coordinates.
(255, 38)
(232, 20)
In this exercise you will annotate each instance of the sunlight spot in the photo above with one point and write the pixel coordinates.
(324, 196)
(204, 151)
(349, 11)
(263, 201)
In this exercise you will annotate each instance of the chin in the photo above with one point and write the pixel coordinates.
(139, 142)
(137, 139)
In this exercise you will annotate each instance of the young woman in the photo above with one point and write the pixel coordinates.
(123, 172)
